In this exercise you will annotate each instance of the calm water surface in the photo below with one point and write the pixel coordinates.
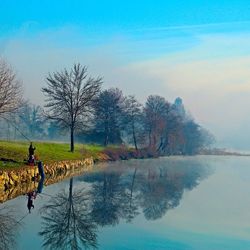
(168, 203)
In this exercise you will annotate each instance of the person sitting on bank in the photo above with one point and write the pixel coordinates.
(31, 150)
(31, 159)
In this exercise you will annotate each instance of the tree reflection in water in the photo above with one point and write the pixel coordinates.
(159, 193)
(67, 221)
(121, 194)
(161, 189)
(70, 220)
(108, 199)
(9, 227)
(131, 200)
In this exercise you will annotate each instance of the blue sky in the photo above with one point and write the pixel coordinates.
(100, 22)
(117, 16)
(198, 50)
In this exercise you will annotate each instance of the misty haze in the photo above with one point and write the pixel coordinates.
(123, 125)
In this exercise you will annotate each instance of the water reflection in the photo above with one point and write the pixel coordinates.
(71, 218)
(9, 228)
(108, 199)
(153, 190)
(132, 205)
(31, 197)
(33, 194)
(67, 221)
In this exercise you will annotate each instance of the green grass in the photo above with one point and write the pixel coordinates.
(45, 151)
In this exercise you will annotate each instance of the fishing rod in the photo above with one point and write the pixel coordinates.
(16, 128)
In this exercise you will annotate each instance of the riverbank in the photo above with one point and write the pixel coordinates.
(18, 182)
(14, 153)
(57, 161)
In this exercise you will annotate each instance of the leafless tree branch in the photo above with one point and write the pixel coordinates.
(10, 89)
(70, 96)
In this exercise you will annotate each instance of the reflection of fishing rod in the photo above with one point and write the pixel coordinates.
(17, 128)
(47, 195)
(22, 218)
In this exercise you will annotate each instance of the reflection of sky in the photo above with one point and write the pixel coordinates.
(216, 214)
(213, 215)
(170, 239)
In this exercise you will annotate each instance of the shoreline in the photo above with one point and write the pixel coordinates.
(21, 180)
(59, 163)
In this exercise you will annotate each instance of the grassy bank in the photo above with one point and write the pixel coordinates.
(14, 153)
(17, 152)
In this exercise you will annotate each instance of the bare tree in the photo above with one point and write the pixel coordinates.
(70, 95)
(108, 115)
(32, 121)
(10, 89)
(155, 111)
(133, 118)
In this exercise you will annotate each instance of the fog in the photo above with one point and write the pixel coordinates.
(208, 70)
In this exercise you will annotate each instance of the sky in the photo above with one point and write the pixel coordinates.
(198, 50)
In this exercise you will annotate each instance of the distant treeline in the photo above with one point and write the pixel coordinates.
(158, 125)
(76, 105)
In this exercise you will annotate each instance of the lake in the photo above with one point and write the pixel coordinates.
(200, 202)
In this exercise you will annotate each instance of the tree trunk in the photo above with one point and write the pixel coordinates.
(154, 141)
(71, 190)
(70, 200)
(149, 139)
(106, 135)
(135, 143)
(132, 185)
(160, 148)
(106, 141)
(72, 145)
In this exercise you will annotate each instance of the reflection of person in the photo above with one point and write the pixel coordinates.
(31, 197)
(40, 169)
(40, 186)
